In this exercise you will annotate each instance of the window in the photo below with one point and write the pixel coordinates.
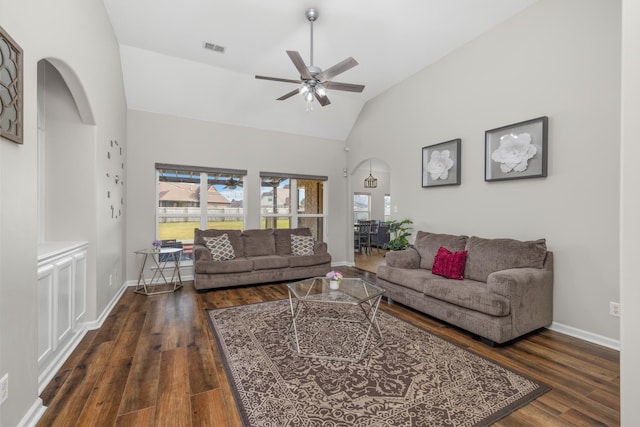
(195, 197)
(291, 201)
(387, 207)
(361, 206)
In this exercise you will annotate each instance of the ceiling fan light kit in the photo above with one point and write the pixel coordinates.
(313, 81)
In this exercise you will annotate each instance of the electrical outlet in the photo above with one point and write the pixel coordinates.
(614, 309)
(110, 279)
(4, 388)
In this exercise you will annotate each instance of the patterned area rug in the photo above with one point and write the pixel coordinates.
(412, 378)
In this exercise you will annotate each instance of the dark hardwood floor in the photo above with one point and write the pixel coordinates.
(154, 362)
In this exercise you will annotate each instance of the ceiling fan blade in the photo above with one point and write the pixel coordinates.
(288, 95)
(299, 63)
(278, 79)
(343, 86)
(340, 67)
(323, 100)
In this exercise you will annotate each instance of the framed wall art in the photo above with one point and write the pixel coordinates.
(441, 164)
(516, 151)
(11, 125)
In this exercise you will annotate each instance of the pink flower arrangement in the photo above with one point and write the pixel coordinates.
(335, 275)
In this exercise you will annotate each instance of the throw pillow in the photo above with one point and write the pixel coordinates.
(301, 245)
(449, 264)
(220, 247)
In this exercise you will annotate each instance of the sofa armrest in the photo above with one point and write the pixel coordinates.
(320, 248)
(530, 292)
(201, 253)
(408, 258)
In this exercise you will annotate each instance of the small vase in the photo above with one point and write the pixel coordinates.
(156, 250)
(334, 284)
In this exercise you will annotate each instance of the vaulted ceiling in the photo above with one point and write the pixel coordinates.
(167, 69)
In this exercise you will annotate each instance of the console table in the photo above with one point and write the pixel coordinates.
(159, 283)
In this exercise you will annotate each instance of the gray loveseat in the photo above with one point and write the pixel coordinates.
(507, 290)
(259, 256)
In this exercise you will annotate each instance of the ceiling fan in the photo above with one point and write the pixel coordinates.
(313, 81)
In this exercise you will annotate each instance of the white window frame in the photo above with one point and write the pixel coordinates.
(368, 211)
(204, 183)
(293, 214)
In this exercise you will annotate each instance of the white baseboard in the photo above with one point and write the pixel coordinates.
(33, 415)
(96, 324)
(343, 264)
(585, 335)
(50, 371)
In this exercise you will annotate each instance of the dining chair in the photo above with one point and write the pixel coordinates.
(373, 235)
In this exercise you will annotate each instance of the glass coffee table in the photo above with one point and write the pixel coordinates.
(334, 324)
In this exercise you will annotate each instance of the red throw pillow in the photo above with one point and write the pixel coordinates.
(449, 264)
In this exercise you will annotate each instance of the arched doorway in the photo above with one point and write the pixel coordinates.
(66, 155)
(370, 204)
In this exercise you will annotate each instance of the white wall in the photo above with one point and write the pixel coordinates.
(630, 212)
(78, 34)
(155, 138)
(559, 59)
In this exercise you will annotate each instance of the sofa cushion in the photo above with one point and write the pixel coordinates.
(238, 265)
(283, 238)
(449, 264)
(486, 256)
(269, 262)
(304, 261)
(413, 278)
(301, 245)
(427, 245)
(235, 237)
(220, 247)
(469, 294)
(259, 242)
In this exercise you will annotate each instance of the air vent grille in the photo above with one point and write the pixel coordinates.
(214, 47)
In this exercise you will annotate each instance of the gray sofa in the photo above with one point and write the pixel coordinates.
(507, 290)
(260, 256)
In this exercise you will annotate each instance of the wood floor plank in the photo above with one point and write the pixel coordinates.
(173, 407)
(68, 404)
(176, 376)
(104, 402)
(141, 390)
(203, 375)
(127, 342)
(141, 418)
(209, 409)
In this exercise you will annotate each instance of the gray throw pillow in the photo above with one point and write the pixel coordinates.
(486, 256)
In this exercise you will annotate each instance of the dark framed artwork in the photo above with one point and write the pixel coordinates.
(441, 164)
(11, 124)
(516, 151)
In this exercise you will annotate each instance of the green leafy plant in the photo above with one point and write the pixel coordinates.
(399, 232)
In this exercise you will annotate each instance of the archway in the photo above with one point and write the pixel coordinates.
(66, 154)
(370, 203)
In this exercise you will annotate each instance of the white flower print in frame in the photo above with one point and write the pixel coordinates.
(441, 164)
(517, 151)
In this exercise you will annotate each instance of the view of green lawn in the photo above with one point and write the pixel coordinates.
(184, 230)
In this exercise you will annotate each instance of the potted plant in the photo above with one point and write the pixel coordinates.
(399, 232)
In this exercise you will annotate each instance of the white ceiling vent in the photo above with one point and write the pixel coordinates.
(214, 47)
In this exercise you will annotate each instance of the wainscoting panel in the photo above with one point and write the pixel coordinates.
(62, 289)
(45, 313)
